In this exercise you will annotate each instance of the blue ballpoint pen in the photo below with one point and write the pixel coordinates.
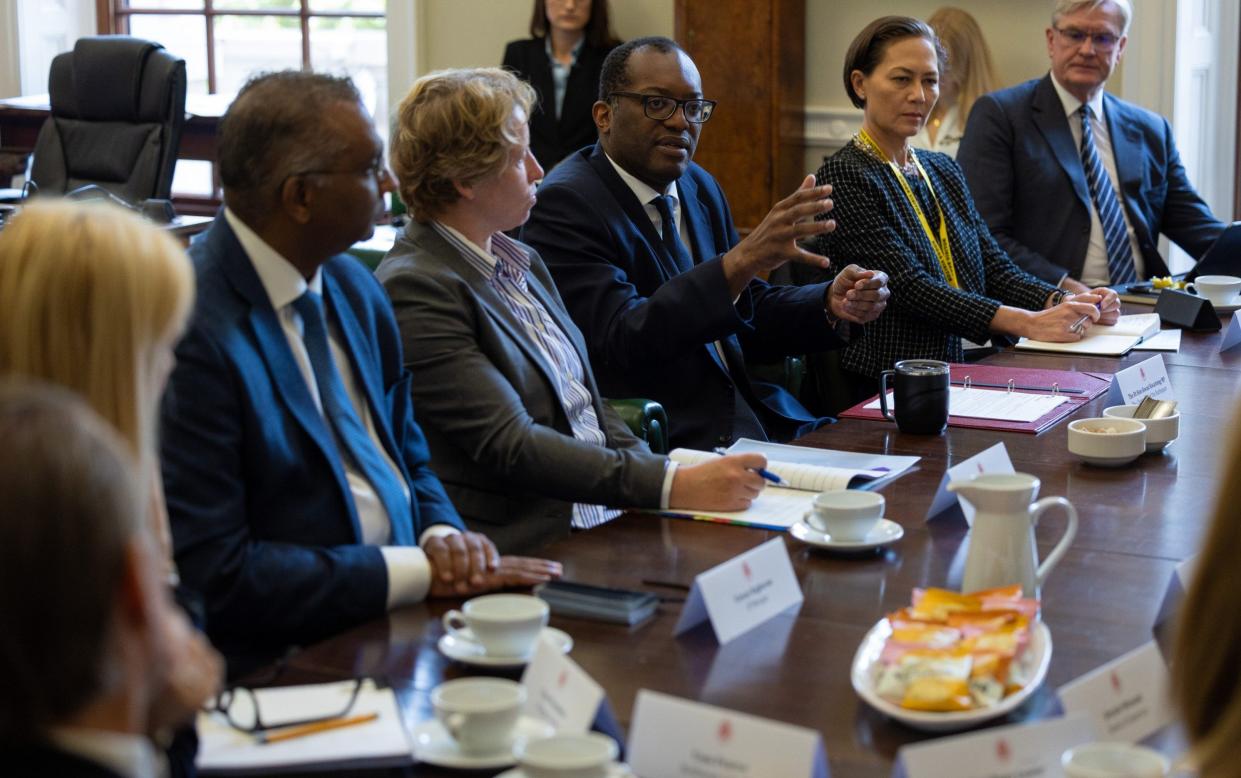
(765, 473)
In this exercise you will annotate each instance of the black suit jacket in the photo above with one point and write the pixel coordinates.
(650, 328)
(43, 759)
(552, 140)
(1025, 172)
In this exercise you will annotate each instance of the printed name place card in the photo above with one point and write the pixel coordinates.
(1130, 385)
(1015, 751)
(1127, 697)
(742, 593)
(676, 738)
(993, 460)
(1232, 335)
(559, 691)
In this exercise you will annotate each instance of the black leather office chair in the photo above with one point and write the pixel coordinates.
(118, 106)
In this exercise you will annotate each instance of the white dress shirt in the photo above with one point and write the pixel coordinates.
(1094, 270)
(409, 572)
(947, 139)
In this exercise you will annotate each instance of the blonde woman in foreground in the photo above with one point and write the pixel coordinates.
(93, 298)
(1206, 660)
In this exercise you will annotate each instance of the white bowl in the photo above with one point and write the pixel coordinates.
(1159, 432)
(1125, 443)
(866, 668)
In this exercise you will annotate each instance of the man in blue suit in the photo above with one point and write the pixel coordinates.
(1042, 189)
(643, 249)
(298, 484)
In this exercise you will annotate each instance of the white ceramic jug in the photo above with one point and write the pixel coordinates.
(1002, 549)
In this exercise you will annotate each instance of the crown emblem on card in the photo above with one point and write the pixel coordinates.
(564, 677)
(1002, 750)
(725, 732)
(746, 571)
(1115, 682)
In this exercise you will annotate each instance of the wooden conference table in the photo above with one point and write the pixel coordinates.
(1136, 524)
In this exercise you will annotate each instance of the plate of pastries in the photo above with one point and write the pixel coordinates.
(950, 661)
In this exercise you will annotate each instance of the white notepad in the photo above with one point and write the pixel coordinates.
(805, 472)
(379, 743)
(1101, 339)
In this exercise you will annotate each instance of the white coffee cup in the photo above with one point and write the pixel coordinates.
(505, 625)
(846, 515)
(568, 756)
(1220, 290)
(479, 713)
(1114, 760)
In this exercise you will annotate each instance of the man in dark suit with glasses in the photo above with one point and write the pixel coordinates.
(643, 249)
(1075, 184)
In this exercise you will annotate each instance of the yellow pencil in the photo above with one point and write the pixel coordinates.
(303, 730)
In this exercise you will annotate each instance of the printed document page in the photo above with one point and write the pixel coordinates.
(977, 403)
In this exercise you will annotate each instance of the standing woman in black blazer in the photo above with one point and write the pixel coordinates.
(562, 60)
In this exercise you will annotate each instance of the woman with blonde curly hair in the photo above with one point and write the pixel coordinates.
(502, 385)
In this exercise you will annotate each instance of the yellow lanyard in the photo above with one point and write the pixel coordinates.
(943, 250)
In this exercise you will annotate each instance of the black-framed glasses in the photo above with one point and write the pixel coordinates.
(662, 107)
(239, 706)
(1103, 41)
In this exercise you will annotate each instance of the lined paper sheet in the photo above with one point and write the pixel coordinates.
(977, 403)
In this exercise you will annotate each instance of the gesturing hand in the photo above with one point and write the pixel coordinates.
(774, 241)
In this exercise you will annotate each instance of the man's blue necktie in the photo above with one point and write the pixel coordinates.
(672, 241)
(1120, 268)
(351, 437)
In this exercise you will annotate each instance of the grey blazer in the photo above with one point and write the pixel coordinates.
(483, 393)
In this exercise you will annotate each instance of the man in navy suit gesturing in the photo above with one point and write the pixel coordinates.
(1075, 184)
(298, 484)
(643, 249)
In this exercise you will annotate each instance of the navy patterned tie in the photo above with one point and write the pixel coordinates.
(672, 240)
(354, 442)
(1120, 267)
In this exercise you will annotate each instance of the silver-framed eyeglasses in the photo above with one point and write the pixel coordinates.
(661, 107)
(1103, 41)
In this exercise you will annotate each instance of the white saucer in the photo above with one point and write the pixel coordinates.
(433, 745)
(469, 652)
(617, 770)
(885, 532)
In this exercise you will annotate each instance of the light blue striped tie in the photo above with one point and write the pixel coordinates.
(1120, 267)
